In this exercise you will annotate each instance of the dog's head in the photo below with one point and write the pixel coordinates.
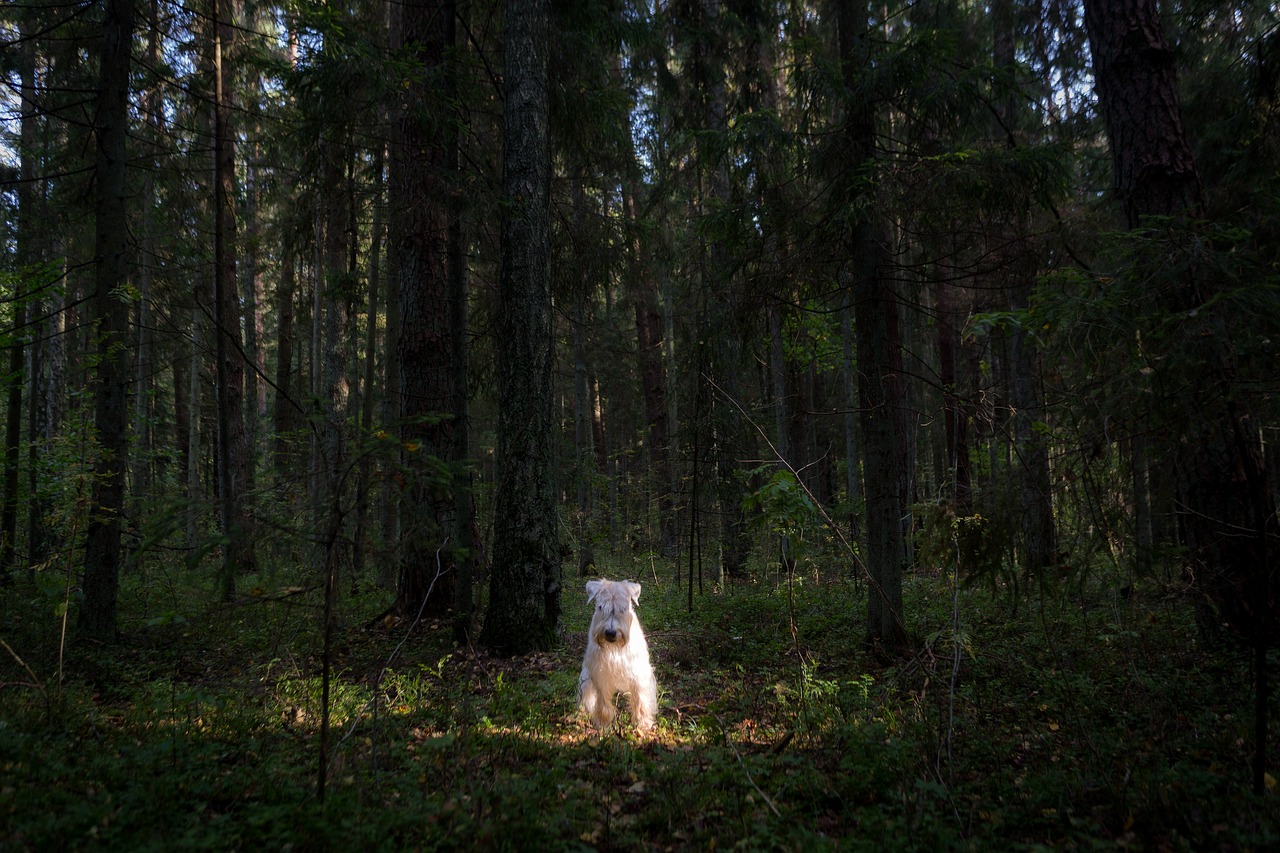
(611, 622)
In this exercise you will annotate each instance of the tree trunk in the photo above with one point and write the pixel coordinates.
(111, 319)
(1136, 81)
(336, 285)
(653, 380)
(585, 469)
(195, 488)
(424, 344)
(1039, 539)
(1038, 535)
(27, 256)
(524, 592)
(360, 544)
(284, 407)
(1226, 506)
(880, 380)
(254, 352)
(238, 551)
(955, 412)
(849, 383)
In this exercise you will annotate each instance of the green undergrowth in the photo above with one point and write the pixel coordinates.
(1093, 722)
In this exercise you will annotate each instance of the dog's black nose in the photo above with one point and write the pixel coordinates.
(611, 635)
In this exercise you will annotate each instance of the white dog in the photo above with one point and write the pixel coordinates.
(617, 658)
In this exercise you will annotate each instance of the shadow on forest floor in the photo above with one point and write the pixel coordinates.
(1074, 724)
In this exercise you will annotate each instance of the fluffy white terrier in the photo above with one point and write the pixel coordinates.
(617, 658)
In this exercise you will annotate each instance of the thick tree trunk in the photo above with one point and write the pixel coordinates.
(1136, 81)
(524, 591)
(880, 380)
(111, 318)
(424, 343)
(1226, 506)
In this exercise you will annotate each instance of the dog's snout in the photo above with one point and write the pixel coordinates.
(611, 635)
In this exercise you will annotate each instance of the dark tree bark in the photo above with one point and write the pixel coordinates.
(233, 462)
(284, 407)
(1136, 81)
(524, 591)
(956, 414)
(111, 318)
(653, 380)
(880, 380)
(1039, 539)
(1226, 507)
(360, 545)
(27, 255)
(143, 381)
(424, 346)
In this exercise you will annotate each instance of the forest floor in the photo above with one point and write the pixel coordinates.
(1079, 720)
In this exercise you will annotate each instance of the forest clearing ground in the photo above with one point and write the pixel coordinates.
(1099, 722)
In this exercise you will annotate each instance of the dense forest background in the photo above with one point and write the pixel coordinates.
(394, 319)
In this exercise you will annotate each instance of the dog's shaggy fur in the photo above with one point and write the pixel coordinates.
(617, 658)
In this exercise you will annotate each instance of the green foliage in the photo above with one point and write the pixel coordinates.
(1075, 726)
(977, 546)
(780, 504)
(1144, 332)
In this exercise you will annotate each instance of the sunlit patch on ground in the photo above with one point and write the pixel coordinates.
(764, 737)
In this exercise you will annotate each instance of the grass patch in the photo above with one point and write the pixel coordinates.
(1074, 723)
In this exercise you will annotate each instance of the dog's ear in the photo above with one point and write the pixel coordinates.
(633, 590)
(593, 587)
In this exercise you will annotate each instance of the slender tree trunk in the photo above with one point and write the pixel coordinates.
(724, 442)
(111, 125)
(849, 381)
(284, 408)
(583, 454)
(195, 488)
(1039, 540)
(584, 459)
(253, 361)
(653, 381)
(389, 509)
(524, 596)
(238, 550)
(1035, 498)
(27, 256)
(332, 315)
(465, 554)
(142, 434)
(40, 406)
(955, 412)
(365, 469)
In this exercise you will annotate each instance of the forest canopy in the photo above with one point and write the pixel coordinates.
(416, 314)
